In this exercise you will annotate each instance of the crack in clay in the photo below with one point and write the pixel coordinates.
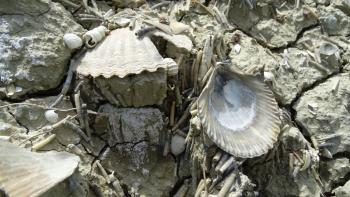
(17, 121)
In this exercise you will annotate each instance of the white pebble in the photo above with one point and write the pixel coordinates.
(237, 48)
(72, 41)
(178, 144)
(51, 116)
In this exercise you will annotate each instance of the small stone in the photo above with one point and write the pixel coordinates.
(178, 144)
(51, 116)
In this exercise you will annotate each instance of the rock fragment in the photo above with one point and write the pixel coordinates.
(330, 119)
(34, 57)
(334, 172)
(342, 191)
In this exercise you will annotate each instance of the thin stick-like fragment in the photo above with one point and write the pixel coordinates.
(195, 70)
(199, 188)
(221, 17)
(103, 171)
(85, 4)
(66, 85)
(216, 157)
(90, 19)
(314, 142)
(78, 86)
(86, 120)
(79, 111)
(118, 188)
(172, 114)
(335, 85)
(307, 161)
(226, 165)
(43, 143)
(167, 143)
(132, 24)
(178, 96)
(160, 26)
(223, 159)
(161, 4)
(206, 76)
(76, 150)
(325, 145)
(77, 129)
(328, 137)
(67, 2)
(194, 173)
(210, 11)
(228, 183)
(86, 16)
(227, 11)
(182, 119)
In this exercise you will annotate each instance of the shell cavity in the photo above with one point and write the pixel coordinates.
(122, 54)
(25, 173)
(92, 37)
(239, 113)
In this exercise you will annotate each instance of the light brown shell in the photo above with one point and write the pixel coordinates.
(239, 113)
(121, 54)
(24, 173)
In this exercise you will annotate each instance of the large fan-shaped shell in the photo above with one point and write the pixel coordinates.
(28, 174)
(121, 54)
(239, 113)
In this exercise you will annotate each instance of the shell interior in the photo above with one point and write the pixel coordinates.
(121, 54)
(239, 113)
(24, 173)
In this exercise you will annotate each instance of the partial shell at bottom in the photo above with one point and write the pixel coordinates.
(239, 113)
(24, 173)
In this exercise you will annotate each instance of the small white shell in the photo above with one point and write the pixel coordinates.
(92, 37)
(178, 145)
(51, 116)
(237, 48)
(268, 77)
(72, 41)
(172, 69)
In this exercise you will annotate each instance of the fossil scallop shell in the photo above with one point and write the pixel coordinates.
(239, 113)
(121, 54)
(24, 173)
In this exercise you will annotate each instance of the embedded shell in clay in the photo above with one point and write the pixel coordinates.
(239, 113)
(121, 54)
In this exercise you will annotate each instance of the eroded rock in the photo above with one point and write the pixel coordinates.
(334, 172)
(342, 191)
(334, 21)
(134, 135)
(324, 113)
(273, 23)
(34, 57)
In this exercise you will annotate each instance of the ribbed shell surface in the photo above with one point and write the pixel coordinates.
(121, 54)
(28, 174)
(239, 113)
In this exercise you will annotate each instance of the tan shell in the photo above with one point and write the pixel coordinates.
(24, 173)
(120, 54)
(239, 113)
